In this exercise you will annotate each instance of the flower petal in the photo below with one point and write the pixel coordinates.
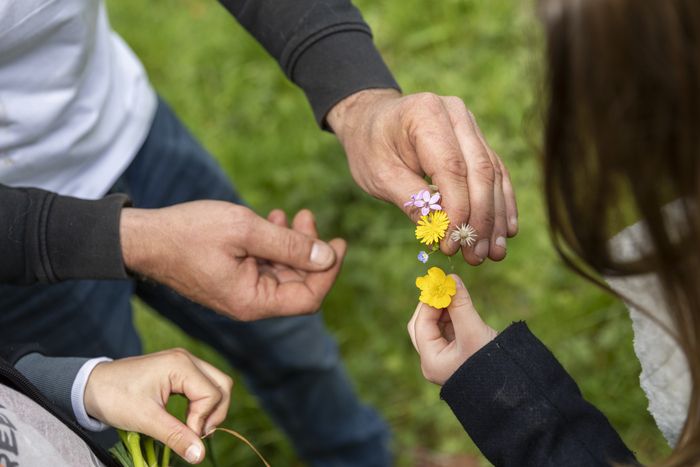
(436, 207)
(425, 210)
(436, 274)
(441, 302)
(435, 198)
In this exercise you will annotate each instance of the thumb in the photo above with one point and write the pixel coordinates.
(172, 432)
(278, 244)
(470, 330)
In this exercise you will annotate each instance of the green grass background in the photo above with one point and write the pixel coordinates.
(236, 100)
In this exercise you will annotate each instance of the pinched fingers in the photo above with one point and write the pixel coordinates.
(225, 384)
(271, 297)
(269, 240)
(438, 150)
(481, 180)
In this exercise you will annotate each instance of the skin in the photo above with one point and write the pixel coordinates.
(229, 259)
(393, 141)
(444, 340)
(132, 393)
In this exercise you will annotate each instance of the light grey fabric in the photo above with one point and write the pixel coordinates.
(32, 437)
(53, 376)
(665, 377)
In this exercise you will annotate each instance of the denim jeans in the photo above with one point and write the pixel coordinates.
(291, 364)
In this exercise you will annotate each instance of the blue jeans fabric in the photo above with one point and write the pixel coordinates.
(291, 364)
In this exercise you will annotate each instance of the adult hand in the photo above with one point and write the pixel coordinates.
(131, 394)
(444, 340)
(227, 258)
(392, 141)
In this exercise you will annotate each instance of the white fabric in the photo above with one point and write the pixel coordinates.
(77, 396)
(75, 102)
(31, 436)
(664, 377)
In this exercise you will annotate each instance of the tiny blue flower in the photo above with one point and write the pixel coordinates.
(423, 257)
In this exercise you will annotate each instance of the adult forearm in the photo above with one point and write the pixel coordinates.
(45, 237)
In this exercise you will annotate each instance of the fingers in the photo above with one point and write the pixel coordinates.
(480, 179)
(511, 205)
(428, 335)
(305, 223)
(412, 326)
(268, 240)
(440, 156)
(302, 296)
(278, 217)
(172, 432)
(405, 183)
(224, 383)
(206, 396)
(470, 330)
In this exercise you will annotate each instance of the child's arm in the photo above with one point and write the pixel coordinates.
(511, 395)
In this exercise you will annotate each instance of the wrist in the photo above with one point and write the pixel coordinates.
(85, 394)
(135, 235)
(347, 114)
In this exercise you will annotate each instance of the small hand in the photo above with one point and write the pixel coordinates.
(392, 141)
(227, 258)
(131, 394)
(445, 339)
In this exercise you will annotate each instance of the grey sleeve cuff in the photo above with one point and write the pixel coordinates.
(62, 381)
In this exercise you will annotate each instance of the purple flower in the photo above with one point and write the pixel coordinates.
(424, 200)
(423, 257)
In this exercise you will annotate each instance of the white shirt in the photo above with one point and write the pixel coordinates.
(75, 102)
(665, 377)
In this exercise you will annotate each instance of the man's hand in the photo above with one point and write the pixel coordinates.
(131, 394)
(227, 258)
(445, 339)
(392, 141)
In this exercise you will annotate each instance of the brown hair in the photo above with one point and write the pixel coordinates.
(622, 140)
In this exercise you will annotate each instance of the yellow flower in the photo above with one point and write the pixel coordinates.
(436, 288)
(431, 228)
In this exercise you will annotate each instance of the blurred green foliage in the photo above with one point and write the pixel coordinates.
(236, 100)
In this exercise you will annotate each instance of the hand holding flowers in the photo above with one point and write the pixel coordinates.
(131, 394)
(445, 340)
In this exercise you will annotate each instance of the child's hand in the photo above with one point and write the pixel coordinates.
(131, 394)
(444, 339)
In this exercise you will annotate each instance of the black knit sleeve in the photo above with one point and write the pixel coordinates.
(47, 238)
(521, 408)
(324, 46)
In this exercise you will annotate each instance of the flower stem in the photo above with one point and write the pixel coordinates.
(151, 459)
(133, 442)
(165, 460)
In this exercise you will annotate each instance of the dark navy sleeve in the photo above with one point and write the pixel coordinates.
(521, 408)
(324, 46)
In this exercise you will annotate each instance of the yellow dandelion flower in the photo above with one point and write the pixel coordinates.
(436, 288)
(431, 228)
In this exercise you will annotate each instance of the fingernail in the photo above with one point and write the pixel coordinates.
(501, 241)
(458, 280)
(209, 431)
(420, 304)
(321, 254)
(513, 221)
(193, 453)
(482, 248)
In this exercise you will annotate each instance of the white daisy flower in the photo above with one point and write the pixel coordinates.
(465, 235)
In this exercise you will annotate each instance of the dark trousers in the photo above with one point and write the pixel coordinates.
(291, 364)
